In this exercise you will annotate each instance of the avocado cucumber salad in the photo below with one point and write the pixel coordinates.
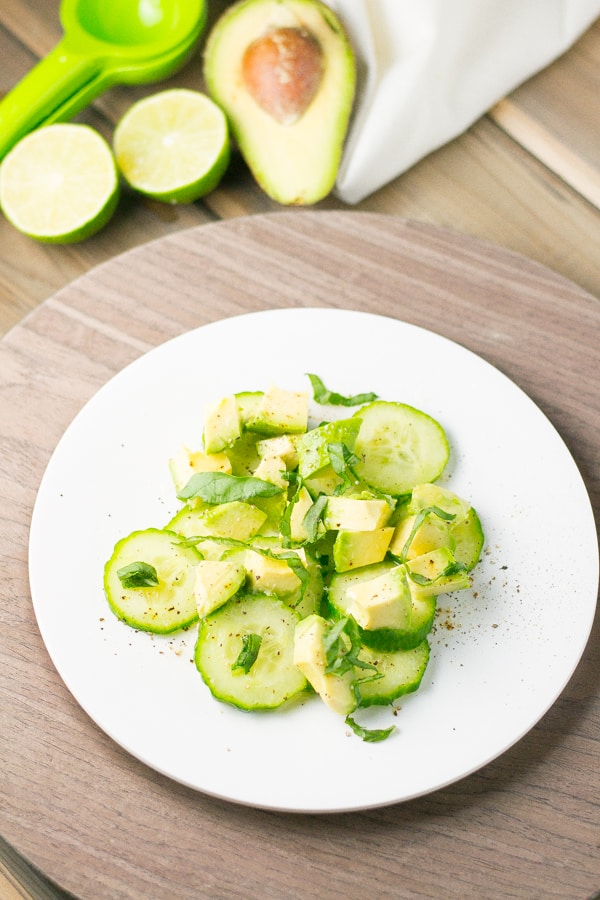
(309, 556)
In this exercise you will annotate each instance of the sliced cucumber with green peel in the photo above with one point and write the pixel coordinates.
(398, 447)
(161, 607)
(390, 639)
(273, 678)
(400, 673)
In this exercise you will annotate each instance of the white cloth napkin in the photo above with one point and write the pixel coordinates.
(428, 69)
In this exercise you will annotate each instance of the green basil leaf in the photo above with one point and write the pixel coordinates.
(371, 735)
(218, 487)
(342, 645)
(138, 574)
(325, 397)
(312, 518)
(249, 652)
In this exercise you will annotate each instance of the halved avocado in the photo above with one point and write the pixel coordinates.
(284, 73)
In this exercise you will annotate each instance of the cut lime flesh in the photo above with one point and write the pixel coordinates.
(59, 184)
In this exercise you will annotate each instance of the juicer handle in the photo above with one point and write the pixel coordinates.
(58, 87)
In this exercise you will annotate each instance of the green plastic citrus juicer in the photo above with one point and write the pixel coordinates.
(104, 43)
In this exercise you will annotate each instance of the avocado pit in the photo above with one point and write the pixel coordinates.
(282, 71)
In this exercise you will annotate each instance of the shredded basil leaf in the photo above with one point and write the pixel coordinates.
(342, 645)
(325, 397)
(138, 574)
(218, 487)
(312, 518)
(249, 652)
(342, 459)
(371, 735)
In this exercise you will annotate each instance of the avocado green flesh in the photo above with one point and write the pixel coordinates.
(297, 163)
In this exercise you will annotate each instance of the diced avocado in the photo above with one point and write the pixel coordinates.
(269, 576)
(301, 506)
(382, 602)
(284, 72)
(282, 446)
(243, 455)
(237, 520)
(280, 412)
(389, 639)
(352, 549)
(216, 582)
(431, 534)
(270, 468)
(247, 402)
(309, 656)
(355, 515)
(222, 424)
(312, 447)
(433, 564)
(187, 462)
(325, 481)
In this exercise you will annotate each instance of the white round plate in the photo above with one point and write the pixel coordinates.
(501, 652)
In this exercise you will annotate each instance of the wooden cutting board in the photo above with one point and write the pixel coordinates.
(100, 823)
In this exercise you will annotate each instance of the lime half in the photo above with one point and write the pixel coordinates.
(173, 146)
(59, 184)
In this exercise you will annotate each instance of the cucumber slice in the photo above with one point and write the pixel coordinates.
(390, 639)
(398, 447)
(402, 673)
(166, 606)
(273, 678)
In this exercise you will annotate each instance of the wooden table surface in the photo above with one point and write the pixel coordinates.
(514, 201)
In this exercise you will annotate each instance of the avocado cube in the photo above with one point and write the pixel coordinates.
(433, 564)
(309, 656)
(280, 412)
(431, 534)
(352, 549)
(382, 602)
(312, 447)
(222, 424)
(270, 469)
(187, 462)
(216, 582)
(324, 481)
(283, 446)
(355, 515)
(300, 508)
(270, 576)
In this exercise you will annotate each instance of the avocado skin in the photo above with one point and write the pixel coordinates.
(294, 163)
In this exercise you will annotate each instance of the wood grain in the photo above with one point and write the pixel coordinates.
(485, 183)
(100, 823)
